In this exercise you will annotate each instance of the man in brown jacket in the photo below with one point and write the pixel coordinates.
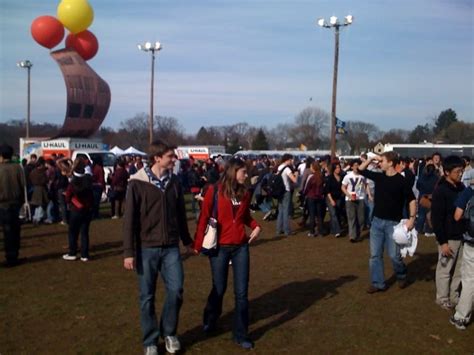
(154, 223)
(12, 189)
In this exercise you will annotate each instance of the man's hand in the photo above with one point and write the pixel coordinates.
(446, 250)
(189, 250)
(129, 263)
(254, 234)
(410, 224)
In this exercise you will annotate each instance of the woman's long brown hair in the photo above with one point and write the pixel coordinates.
(230, 187)
(317, 172)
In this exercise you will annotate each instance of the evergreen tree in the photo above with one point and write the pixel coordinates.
(445, 119)
(420, 134)
(260, 141)
(202, 137)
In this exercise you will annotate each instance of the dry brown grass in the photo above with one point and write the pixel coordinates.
(306, 296)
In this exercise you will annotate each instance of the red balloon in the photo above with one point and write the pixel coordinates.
(47, 31)
(85, 43)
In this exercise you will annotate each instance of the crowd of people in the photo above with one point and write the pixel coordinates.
(329, 196)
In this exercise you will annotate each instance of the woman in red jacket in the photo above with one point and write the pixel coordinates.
(233, 214)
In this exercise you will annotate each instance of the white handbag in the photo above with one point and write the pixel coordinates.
(209, 244)
(210, 236)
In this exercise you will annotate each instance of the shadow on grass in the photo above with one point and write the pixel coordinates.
(261, 241)
(423, 267)
(98, 251)
(285, 302)
(45, 234)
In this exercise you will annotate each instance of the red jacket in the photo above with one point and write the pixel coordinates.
(98, 176)
(230, 227)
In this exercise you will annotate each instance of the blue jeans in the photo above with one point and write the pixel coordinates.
(369, 209)
(220, 270)
(62, 206)
(266, 205)
(165, 261)
(315, 207)
(283, 219)
(422, 225)
(381, 232)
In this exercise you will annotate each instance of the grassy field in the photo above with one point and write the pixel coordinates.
(307, 296)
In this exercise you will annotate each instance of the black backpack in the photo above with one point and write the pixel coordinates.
(469, 218)
(276, 186)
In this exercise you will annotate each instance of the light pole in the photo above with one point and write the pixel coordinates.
(27, 64)
(334, 23)
(150, 47)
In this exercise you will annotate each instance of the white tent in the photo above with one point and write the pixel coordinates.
(133, 151)
(116, 150)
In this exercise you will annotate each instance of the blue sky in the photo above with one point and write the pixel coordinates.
(256, 61)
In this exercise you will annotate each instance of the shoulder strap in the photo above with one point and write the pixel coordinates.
(214, 202)
(305, 187)
(281, 171)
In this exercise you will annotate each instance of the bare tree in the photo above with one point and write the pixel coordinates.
(169, 130)
(278, 137)
(394, 136)
(459, 132)
(134, 131)
(361, 135)
(311, 125)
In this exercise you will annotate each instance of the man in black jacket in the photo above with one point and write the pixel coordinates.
(448, 231)
(154, 223)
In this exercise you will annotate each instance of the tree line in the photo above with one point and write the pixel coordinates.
(310, 128)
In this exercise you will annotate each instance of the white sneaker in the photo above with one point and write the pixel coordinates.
(115, 217)
(69, 257)
(84, 259)
(267, 215)
(458, 323)
(151, 350)
(172, 344)
(430, 235)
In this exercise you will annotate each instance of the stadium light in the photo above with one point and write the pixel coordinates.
(336, 25)
(26, 64)
(151, 47)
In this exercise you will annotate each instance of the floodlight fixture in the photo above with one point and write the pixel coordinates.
(24, 64)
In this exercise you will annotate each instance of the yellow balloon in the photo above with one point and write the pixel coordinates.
(75, 15)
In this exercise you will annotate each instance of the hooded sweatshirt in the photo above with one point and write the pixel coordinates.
(442, 211)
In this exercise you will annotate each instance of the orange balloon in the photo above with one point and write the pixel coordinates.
(47, 31)
(85, 44)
